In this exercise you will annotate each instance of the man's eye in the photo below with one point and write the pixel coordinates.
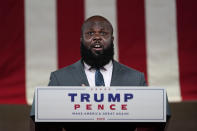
(90, 33)
(103, 33)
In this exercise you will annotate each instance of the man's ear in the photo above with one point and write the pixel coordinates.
(81, 39)
(112, 38)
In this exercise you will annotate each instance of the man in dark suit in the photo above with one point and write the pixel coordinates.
(97, 66)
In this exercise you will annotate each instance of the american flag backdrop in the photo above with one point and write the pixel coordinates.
(157, 37)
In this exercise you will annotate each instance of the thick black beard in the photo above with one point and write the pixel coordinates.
(97, 61)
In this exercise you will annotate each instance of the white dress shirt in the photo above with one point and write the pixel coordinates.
(106, 72)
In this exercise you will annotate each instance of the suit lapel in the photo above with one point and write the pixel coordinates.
(79, 73)
(115, 74)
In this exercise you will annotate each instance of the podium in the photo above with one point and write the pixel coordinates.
(100, 108)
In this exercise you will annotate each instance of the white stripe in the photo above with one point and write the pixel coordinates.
(162, 52)
(107, 9)
(41, 50)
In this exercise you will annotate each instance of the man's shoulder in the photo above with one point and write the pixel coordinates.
(127, 76)
(68, 68)
(125, 68)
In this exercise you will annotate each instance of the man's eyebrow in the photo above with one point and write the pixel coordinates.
(104, 28)
(89, 29)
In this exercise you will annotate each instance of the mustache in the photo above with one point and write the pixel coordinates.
(96, 43)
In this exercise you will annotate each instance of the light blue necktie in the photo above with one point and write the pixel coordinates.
(99, 81)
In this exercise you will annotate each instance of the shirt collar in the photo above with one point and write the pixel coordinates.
(105, 68)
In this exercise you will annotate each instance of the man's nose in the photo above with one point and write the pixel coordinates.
(97, 37)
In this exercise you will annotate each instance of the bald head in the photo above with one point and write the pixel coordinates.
(96, 20)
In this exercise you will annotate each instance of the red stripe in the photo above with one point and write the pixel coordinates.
(131, 32)
(187, 47)
(70, 15)
(12, 52)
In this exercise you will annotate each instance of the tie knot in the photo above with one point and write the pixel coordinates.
(98, 69)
